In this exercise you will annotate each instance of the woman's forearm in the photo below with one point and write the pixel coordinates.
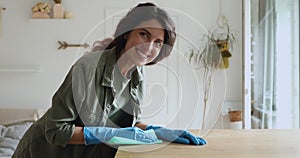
(77, 137)
(141, 125)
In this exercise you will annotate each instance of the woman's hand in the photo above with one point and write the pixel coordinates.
(176, 136)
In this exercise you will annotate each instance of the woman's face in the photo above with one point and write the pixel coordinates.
(145, 42)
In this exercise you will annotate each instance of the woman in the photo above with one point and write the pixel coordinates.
(101, 95)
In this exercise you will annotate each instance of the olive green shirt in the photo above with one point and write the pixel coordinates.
(49, 136)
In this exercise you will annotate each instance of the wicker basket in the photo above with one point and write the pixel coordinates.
(235, 116)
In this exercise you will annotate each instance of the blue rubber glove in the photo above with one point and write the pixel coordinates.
(96, 135)
(176, 136)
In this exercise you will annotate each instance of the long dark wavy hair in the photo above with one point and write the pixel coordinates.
(142, 12)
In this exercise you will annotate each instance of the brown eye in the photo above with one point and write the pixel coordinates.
(158, 44)
(144, 35)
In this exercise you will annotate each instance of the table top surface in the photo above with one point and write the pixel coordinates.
(225, 143)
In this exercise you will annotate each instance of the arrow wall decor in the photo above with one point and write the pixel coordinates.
(64, 45)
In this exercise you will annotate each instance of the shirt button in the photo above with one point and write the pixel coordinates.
(104, 119)
(91, 118)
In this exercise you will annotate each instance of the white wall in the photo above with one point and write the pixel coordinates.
(33, 43)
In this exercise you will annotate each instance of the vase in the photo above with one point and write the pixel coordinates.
(40, 15)
(58, 11)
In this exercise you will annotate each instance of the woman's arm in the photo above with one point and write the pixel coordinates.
(141, 125)
(77, 137)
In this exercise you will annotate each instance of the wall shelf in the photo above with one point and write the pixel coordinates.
(49, 20)
(25, 68)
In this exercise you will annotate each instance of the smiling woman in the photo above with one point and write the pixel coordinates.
(101, 96)
(143, 44)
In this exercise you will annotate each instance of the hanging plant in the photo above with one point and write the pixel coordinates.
(215, 51)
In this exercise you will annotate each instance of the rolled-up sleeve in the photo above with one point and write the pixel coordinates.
(59, 125)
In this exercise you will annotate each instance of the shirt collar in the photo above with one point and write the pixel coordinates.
(110, 61)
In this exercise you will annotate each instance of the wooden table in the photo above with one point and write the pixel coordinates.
(267, 143)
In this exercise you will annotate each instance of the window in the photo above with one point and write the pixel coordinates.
(274, 67)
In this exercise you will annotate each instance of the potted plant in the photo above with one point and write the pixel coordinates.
(212, 56)
(41, 10)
